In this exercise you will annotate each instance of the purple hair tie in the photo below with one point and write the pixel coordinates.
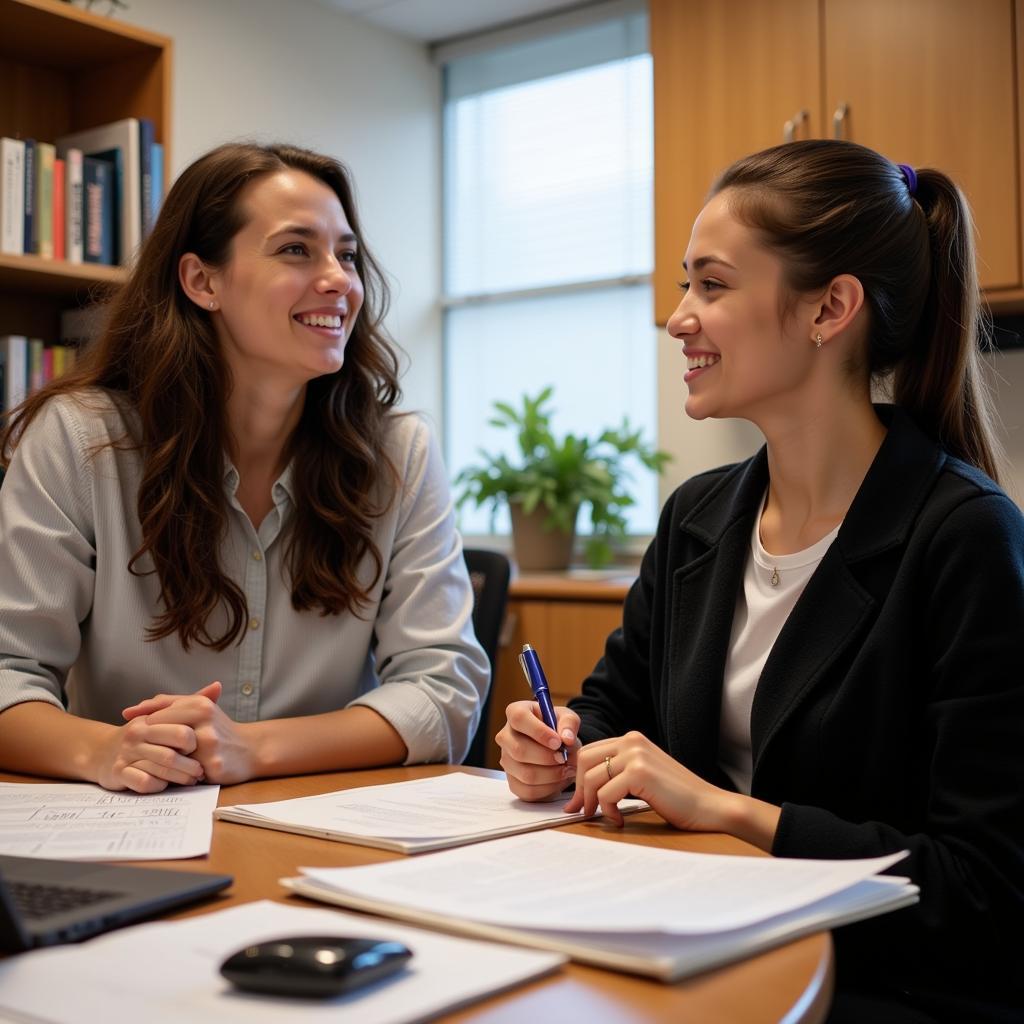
(910, 177)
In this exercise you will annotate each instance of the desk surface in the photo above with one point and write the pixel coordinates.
(789, 984)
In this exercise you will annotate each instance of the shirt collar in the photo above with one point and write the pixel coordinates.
(284, 486)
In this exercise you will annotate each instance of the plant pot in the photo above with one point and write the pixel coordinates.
(536, 548)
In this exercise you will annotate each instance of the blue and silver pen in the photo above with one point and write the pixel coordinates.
(530, 664)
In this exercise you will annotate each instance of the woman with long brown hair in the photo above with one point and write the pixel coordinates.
(224, 553)
(824, 651)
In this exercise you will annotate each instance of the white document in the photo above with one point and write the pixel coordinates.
(415, 816)
(166, 973)
(662, 913)
(559, 881)
(80, 821)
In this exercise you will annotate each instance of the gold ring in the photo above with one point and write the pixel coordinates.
(608, 767)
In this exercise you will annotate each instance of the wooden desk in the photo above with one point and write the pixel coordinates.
(566, 616)
(789, 984)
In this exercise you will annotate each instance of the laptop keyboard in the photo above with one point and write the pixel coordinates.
(37, 899)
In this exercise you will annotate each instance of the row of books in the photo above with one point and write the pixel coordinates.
(27, 364)
(90, 196)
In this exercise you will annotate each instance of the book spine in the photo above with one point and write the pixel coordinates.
(59, 359)
(12, 196)
(42, 237)
(58, 210)
(35, 364)
(47, 365)
(146, 138)
(98, 203)
(158, 178)
(73, 206)
(15, 357)
(29, 192)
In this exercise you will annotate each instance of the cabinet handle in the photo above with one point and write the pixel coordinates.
(790, 127)
(839, 119)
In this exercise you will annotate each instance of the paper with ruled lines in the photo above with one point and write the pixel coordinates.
(80, 821)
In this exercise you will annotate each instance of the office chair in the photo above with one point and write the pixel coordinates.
(489, 572)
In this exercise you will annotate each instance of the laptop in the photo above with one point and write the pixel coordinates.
(45, 902)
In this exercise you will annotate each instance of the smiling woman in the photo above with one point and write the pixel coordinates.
(812, 659)
(258, 568)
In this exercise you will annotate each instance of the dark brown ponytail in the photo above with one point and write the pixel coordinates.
(830, 208)
(940, 380)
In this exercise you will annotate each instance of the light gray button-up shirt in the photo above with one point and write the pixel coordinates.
(73, 620)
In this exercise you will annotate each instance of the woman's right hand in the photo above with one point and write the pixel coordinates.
(147, 758)
(530, 751)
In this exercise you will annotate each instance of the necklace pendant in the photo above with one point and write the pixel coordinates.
(774, 578)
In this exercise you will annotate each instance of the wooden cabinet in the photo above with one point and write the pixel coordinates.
(566, 617)
(63, 69)
(926, 82)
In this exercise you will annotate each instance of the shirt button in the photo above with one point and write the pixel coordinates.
(257, 556)
(254, 623)
(247, 689)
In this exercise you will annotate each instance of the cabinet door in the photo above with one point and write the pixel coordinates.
(728, 75)
(931, 83)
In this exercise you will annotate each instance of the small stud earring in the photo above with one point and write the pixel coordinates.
(817, 341)
(213, 305)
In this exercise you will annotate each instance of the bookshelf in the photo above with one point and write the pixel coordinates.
(63, 69)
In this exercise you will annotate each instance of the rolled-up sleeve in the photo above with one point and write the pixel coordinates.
(47, 558)
(433, 673)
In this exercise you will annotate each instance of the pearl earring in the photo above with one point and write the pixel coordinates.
(213, 305)
(817, 341)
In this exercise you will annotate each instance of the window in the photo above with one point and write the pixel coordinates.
(548, 225)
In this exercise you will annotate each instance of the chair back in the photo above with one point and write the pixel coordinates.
(489, 572)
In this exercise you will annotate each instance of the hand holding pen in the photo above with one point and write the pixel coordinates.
(530, 664)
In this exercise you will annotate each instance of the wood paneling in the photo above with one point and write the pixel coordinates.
(567, 621)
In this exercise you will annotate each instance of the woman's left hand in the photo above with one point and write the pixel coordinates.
(608, 771)
(220, 745)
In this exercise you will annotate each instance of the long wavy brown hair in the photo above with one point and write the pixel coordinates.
(159, 357)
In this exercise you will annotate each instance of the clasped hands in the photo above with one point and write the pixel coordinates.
(176, 738)
(607, 771)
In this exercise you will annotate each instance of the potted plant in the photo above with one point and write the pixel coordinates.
(549, 482)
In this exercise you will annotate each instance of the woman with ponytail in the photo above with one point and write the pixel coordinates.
(224, 553)
(824, 652)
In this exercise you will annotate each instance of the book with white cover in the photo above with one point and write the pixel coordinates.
(13, 370)
(662, 913)
(73, 239)
(12, 196)
(121, 137)
(412, 817)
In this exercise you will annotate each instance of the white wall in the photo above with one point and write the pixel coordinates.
(295, 71)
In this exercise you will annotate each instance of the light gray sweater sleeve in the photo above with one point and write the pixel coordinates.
(47, 557)
(433, 672)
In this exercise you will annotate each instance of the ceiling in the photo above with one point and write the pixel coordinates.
(433, 21)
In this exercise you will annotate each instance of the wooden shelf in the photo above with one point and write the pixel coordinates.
(75, 41)
(55, 277)
(62, 70)
(574, 585)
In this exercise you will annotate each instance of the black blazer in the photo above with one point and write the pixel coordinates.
(890, 712)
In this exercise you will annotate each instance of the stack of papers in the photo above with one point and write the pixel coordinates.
(80, 821)
(663, 913)
(166, 973)
(413, 817)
